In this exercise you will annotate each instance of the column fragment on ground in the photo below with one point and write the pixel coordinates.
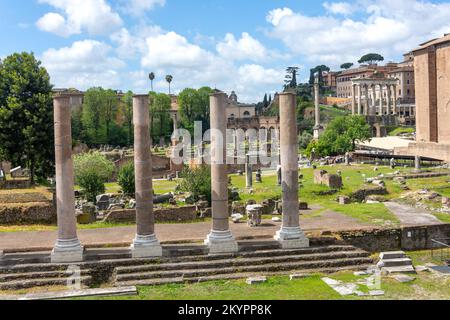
(220, 240)
(67, 248)
(145, 245)
(290, 235)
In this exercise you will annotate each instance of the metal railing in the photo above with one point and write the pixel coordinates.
(443, 248)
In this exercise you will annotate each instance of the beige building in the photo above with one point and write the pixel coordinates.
(432, 91)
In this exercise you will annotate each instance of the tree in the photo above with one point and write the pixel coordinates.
(160, 109)
(265, 101)
(371, 58)
(126, 179)
(126, 107)
(347, 65)
(92, 171)
(319, 70)
(291, 77)
(109, 107)
(194, 106)
(91, 116)
(341, 136)
(305, 139)
(151, 76)
(26, 115)
(169, 79)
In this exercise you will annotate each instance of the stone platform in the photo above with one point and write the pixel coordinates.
(179, 264)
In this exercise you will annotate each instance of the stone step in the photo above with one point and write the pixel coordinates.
(273, 267)
(37, 275)
(33, 283)
(396, 262)
(399, 269)
(392, 255)
(241, 262)
(36, 267)
(236, 276)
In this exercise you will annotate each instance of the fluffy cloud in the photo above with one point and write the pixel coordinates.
(139, 7)
(344, 8)
(85, 64)
(245, 48)
(388, 27)
(93, 16)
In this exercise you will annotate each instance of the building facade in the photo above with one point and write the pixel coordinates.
(432, 92)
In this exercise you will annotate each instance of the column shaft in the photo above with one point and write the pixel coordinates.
(220, 240)
(353, 99)
(359, 100)
(290, 235)
(381, 100)
(68, 247)
(146, 244)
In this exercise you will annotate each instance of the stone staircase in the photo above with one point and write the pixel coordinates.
(395, 262)
(180, 264)
(224, 267)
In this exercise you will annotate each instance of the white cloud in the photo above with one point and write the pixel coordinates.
(344, 8)
(93, 16)
(85, 64)
(245, 48)
(388, 27)
(139, 7)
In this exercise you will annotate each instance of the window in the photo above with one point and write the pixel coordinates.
(246, 114)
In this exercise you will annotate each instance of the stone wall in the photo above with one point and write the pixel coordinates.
(361, 194)
(407, 238)
(440, 151)
(176, 214)
(15, 184)
(27, 213)
(333, 181)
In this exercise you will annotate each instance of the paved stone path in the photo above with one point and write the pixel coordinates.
(410, 216)
(329, 221)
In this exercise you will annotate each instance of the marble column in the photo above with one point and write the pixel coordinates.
(368, 100)
(290, 235)
(220, 240)
(417, 163)
(145, 245)
(353, 99)
(359, 100)
(67, 248)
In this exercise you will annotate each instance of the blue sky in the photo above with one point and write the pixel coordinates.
(229, 44)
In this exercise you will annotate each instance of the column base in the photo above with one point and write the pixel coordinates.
(146, 247)
(318, 130)
(292, 238)
(221, 242)
(67, 251)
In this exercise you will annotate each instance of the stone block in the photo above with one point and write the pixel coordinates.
(303, 206)
(343, 200)
(299, 276)
(402, 278)
(256, 280)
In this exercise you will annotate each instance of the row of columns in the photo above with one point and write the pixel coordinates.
(146, 245)
(386, 104)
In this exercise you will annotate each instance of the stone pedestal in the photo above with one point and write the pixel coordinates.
(290, 236)
(67, 248)
(145, 245)
(220, 240)
(318, 130)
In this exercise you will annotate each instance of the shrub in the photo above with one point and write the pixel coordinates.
(305, 139)
(126, 179)
(92, 171)
(197, 181)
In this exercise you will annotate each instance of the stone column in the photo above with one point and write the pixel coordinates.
(317, 127)
(381, 100)
(395, 99)
(359, 100)
(145, 245)
(248, 172)
(67, 248)
(417, 163)
(389, 99)
(290, 235)
(353, 99)
(368, 100)
(220, 240)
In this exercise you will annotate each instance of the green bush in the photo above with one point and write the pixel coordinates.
(92, 171)
(126, 179)
(197, 181)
